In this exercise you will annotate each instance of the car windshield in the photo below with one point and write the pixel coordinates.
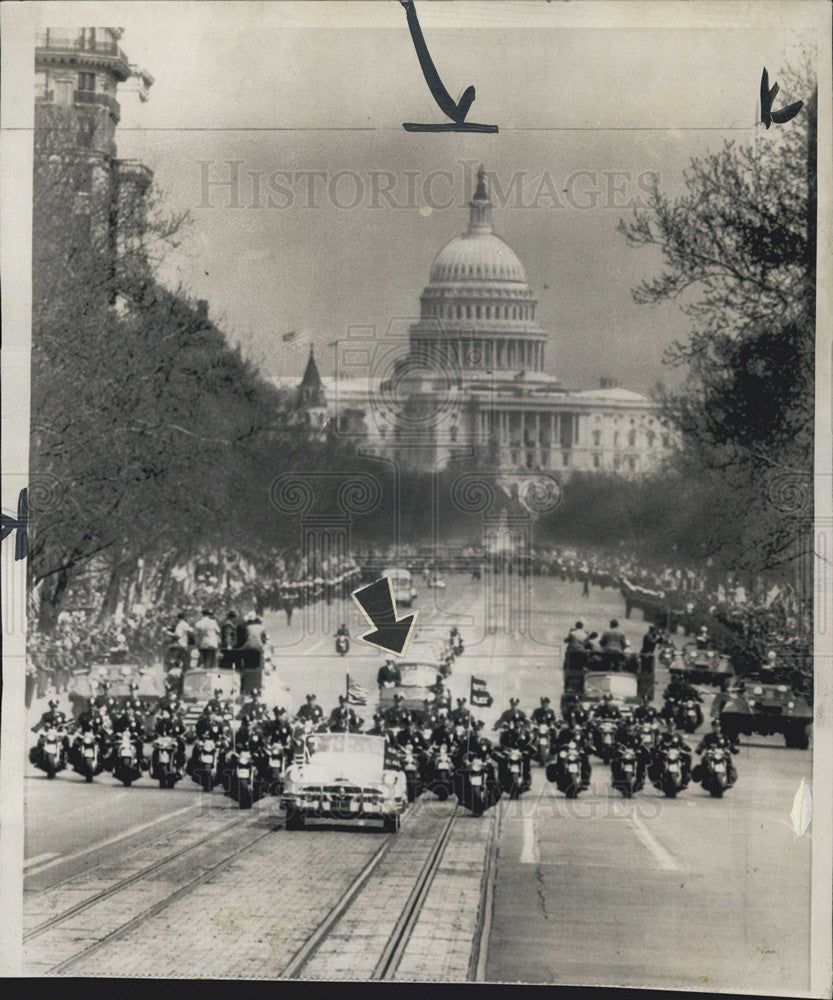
(418, 675)
(372, 748)
(397, 575)
(196, 685)
(618, 685)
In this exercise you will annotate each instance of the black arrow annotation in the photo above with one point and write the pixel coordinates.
(376, 602)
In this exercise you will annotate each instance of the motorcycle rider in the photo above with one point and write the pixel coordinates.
(461, 716)
(605, 709)
(311, 711)
(255, 707)
(671, 738)
(679, 690)
(544, 715)
(130, 722)
(279, 728)
(343, 630)
(645, 711)
(717, 738)
(54, 717)
(215, 705)
(133, 699)
(397, 715)
(702, 638)
(578, 735)
(511, 714)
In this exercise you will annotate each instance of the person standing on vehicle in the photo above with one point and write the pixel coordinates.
(207, 639)
(254, 642)
(614, 642)
(183, 636)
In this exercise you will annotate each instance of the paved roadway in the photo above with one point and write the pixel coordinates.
(696, 892)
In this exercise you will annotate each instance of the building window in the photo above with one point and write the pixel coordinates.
(632, 464)
(616, 439)
(596, 461)
(651, 437)
(565, 458)
(632, 438)
(597, 437)
(459, 312)
(477, 312)
(664, 440)
(453, 432)
(488, 312)
(86, 81)
(468, 312)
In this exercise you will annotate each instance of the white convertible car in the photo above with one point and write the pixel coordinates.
(344, 776)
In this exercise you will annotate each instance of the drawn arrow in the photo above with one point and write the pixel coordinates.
(456, 110)
(376, 603)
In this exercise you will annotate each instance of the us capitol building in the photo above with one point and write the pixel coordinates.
(472, 385)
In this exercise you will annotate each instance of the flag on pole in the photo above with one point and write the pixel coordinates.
(356, 694)
(479, 694)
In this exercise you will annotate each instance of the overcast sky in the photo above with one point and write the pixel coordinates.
(593, 99)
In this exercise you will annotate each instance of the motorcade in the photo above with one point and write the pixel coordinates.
(344, 776)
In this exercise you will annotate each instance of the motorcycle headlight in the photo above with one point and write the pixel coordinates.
(673, 754)
(790, 704)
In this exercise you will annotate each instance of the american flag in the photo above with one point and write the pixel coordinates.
(356, 694)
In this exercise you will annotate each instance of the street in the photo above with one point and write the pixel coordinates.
(597, 890)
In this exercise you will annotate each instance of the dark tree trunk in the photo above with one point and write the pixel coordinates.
(51, 601)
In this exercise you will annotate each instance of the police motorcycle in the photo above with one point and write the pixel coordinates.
(439, 770)
(669, 768)
(514, 759)
(167, 753)
(342, 641)
(476, 783)
(126, 757)
(628, 765)
(85, 752)
(207, 757)
(713, 771)
(604, 732)
(688, 715)
(543, 740)
(412, 762)
(570, 770)
(50, 752)
(248, 768)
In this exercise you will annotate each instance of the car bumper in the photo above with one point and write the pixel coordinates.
(327, 807)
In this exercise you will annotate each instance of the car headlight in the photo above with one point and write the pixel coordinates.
(790, 704)
(389, 777)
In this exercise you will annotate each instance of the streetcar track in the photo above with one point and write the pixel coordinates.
(129, 880)
(101, 864)
(480, 945)
(397, 942)
(162, 904)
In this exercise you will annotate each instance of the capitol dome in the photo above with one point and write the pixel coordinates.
(477, 256)
(478, 310)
